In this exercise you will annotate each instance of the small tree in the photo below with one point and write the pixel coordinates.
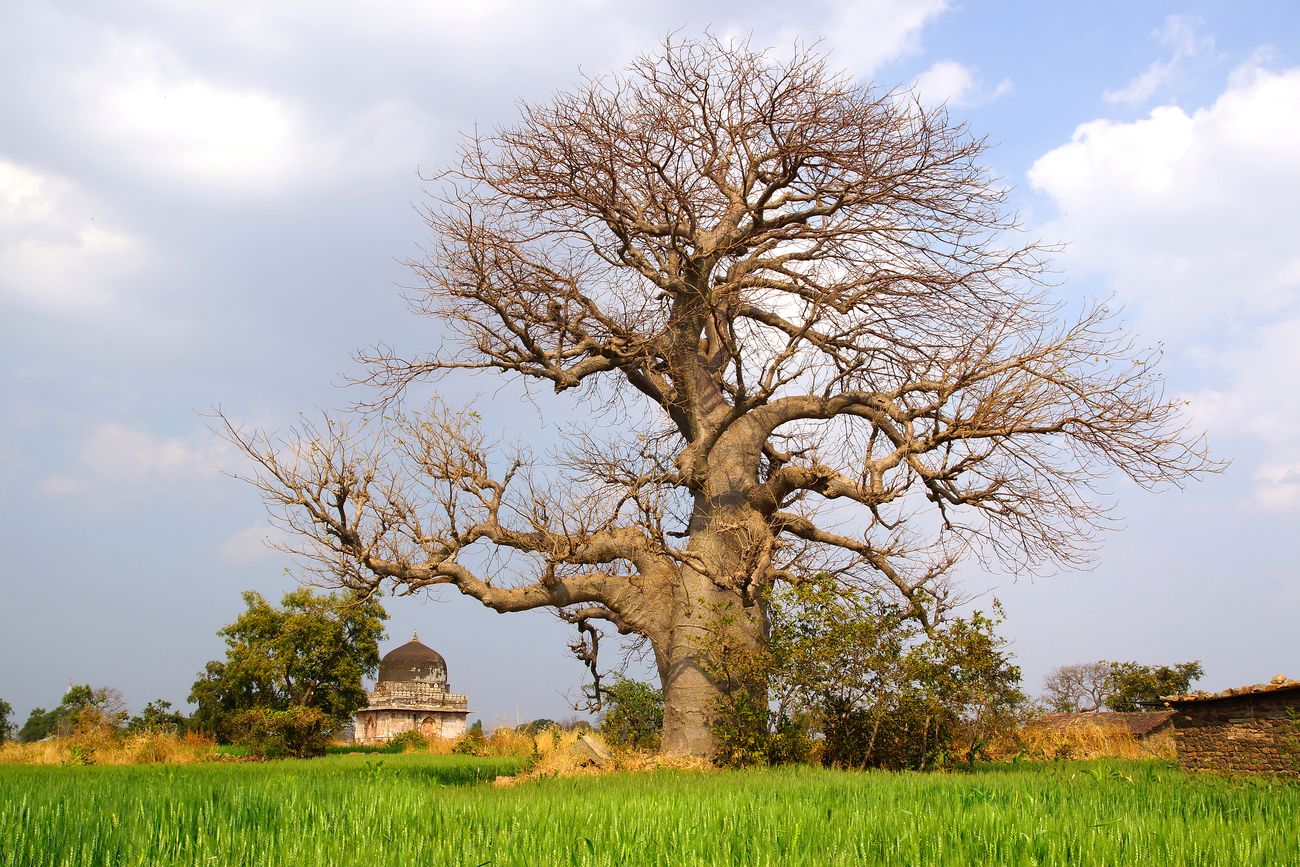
(884, 692)
(6, 726)
(312, 652)
(634, 715)
(40, 724)
(157, 716)
(1139, 687)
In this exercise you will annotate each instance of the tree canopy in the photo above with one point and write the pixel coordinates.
(1117, 686)
(817, 342)
(312, 651)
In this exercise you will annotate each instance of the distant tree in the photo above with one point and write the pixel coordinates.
(634, 714)
(1140, 687)
(1088, 687)
(83, 705)
(6, 727)
(537, 726)
(98, 706)
(1080, 688)
(311, 652)
(157, 716)
(40, 724)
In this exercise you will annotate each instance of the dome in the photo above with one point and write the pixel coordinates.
(414, 661)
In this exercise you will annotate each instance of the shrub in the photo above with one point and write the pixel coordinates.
(408, 742)
(473, 742)
(297, 731)
(634, 715)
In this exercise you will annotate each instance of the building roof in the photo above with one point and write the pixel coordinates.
(413, 661)
(1281, 683)
(1139, 724)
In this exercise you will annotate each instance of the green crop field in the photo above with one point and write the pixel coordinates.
(426, 810)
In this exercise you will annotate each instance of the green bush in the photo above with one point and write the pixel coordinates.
(412, 740)
(634, 714)
(473, 742)
(297, 731)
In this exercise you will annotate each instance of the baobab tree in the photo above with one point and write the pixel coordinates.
(822, 354)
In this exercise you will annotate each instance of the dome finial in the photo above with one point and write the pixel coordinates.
(415, 636)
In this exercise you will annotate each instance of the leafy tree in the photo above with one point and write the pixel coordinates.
(1139, 687)
(785, 289)
(40, 724)
(311, 652)
(884, 692)
(158, 716)
(537, 726)
(6, 727)
(634, 715)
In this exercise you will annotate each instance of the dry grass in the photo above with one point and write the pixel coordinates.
(105, 748)
(559, 754)
(1084, 739)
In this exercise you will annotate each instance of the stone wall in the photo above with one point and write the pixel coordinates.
(380, 726)
(1251, 733)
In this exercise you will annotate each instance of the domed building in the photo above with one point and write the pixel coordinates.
(412, 694)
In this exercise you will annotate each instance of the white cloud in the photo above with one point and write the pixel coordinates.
(1180, 34)
(956, 85)
(1189, 219)
(54, 253)
(1190, 215)
(869, 33)
(117, 464)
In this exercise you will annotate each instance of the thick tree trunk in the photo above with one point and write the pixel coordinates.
(713, 649)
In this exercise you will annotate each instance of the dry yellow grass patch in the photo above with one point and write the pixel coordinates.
(1090, 740)
(100, 748)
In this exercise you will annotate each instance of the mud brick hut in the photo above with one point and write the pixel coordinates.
(412, 694)
(1250, 729)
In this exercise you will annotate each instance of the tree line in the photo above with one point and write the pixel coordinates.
(851, 672)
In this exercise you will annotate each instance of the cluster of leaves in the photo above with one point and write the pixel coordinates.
(1118, 686)
(858, 673)
(634, 715)
(300, 666)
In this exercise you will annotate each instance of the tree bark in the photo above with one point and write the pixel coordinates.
(716, 644)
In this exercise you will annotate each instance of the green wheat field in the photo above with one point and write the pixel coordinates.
(434, 810)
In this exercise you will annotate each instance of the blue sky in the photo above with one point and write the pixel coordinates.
(207, 204)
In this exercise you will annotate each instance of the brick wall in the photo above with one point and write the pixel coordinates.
(1252, 733)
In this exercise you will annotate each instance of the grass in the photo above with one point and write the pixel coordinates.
(417, 809)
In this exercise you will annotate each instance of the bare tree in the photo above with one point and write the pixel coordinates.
(797, 295)
(1081, 688)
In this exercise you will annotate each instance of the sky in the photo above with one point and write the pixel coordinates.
(209, 205)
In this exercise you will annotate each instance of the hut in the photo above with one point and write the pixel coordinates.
(1251, 729)
(412, 694)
